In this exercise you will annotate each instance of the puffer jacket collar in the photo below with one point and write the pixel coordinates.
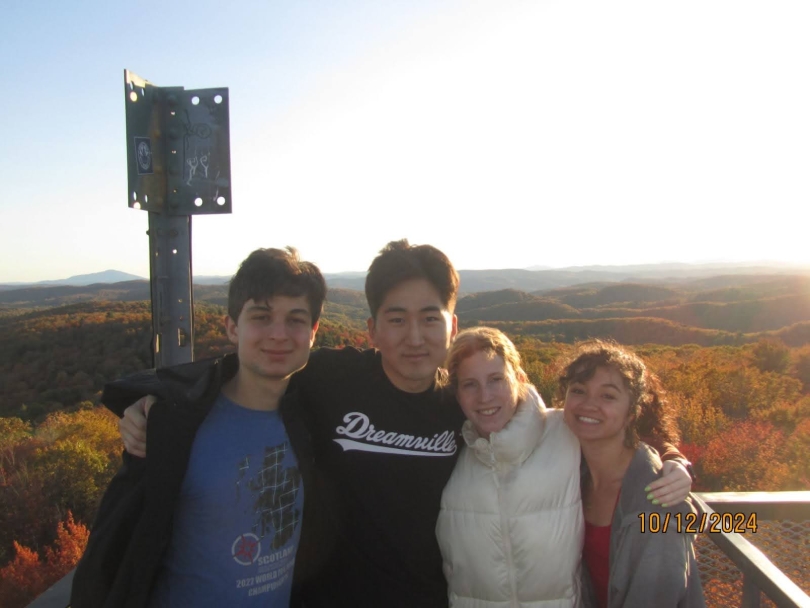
(515, 442)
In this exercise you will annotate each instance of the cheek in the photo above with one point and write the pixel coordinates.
(568, 412)
(465, 403)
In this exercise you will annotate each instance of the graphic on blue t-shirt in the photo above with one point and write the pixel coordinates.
(238, 518)
(246, 549)
(277, 488)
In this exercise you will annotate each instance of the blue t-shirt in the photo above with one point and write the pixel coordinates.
(238, 517)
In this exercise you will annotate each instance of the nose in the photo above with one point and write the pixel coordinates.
(589, 401)
(277, 330)
(485, 393)
(414, 335)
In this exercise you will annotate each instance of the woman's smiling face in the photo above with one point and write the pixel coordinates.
(487, 391)
(598, 409)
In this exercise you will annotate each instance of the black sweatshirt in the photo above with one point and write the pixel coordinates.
(383, 456)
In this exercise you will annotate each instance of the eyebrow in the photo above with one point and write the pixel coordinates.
(403, 309)
(611, 385)
(265, 308)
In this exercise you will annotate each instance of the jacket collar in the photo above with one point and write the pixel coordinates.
(515, 442)
(190, 382)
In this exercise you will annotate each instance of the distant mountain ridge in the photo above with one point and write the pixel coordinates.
(533, 278)
(105, 276)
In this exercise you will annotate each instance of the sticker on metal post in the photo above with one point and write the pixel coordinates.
(143, 155)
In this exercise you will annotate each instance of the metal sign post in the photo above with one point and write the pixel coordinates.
(178, 165)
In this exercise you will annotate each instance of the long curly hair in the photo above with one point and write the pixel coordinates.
(650, 413)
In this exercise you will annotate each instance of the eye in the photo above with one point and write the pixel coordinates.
(395, 320)
(467, 385)
(433, 319)
(609, 396)
(576, 390)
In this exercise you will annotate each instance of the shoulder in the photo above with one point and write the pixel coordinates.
(645, 468)
(328, 358)
(328, 365)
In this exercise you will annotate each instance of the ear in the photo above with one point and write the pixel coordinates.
(371, 330)
(231, 330)
(454, 328)
(312, 335)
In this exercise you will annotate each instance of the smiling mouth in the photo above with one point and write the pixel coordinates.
(588, 420)
(490, 412)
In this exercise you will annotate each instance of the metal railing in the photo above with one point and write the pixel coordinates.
(736, 569)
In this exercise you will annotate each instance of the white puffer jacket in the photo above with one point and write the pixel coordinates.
(511, 526)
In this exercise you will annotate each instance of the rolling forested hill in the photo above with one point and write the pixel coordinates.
(53, 357)
(732, 351)
(745, 310)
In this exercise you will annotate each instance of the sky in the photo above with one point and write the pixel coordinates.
(509, 134)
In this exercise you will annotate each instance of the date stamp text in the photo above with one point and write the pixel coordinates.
(693, 523)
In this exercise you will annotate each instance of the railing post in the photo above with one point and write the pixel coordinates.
(751, 594)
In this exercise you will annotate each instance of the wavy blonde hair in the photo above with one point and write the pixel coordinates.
(492, 342)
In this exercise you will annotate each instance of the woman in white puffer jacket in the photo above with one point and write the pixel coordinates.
(510, 527)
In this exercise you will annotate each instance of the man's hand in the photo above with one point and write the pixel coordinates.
(133, 426)
(673, 487)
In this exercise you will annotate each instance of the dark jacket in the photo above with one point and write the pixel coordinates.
(133, 526)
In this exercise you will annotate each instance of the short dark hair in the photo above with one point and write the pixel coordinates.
(276, 272)
(400, 261)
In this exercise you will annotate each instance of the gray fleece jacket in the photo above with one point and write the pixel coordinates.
(648, 569)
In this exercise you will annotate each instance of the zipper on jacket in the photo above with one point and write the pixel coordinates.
(507, 537)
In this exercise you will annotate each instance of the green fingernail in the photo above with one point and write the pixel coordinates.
(649, 496)
(647, 489)
(663, 504)
(655, 501)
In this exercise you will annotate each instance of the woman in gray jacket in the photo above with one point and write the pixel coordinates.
(635, 553)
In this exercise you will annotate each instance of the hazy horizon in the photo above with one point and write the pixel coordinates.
(707, 263)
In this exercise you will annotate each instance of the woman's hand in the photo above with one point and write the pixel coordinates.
(673, 487)
(133, 426)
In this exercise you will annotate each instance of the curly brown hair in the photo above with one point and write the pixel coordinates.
(651, 414)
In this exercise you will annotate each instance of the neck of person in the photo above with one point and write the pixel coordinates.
(408, 385)
(255, 392)
(607, 462)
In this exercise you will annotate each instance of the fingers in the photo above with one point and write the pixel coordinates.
(131, 444)
(672, 488)
(132, 426)
(667, 499)
(148, 402)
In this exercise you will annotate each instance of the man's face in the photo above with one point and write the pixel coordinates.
(273, 337)
(412, 331)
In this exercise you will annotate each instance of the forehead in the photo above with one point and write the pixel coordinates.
(607, 375)
(481, 362)
(412, 295)
(279, 304)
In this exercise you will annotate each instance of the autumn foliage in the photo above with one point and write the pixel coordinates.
(28, 574)
(743, 409)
